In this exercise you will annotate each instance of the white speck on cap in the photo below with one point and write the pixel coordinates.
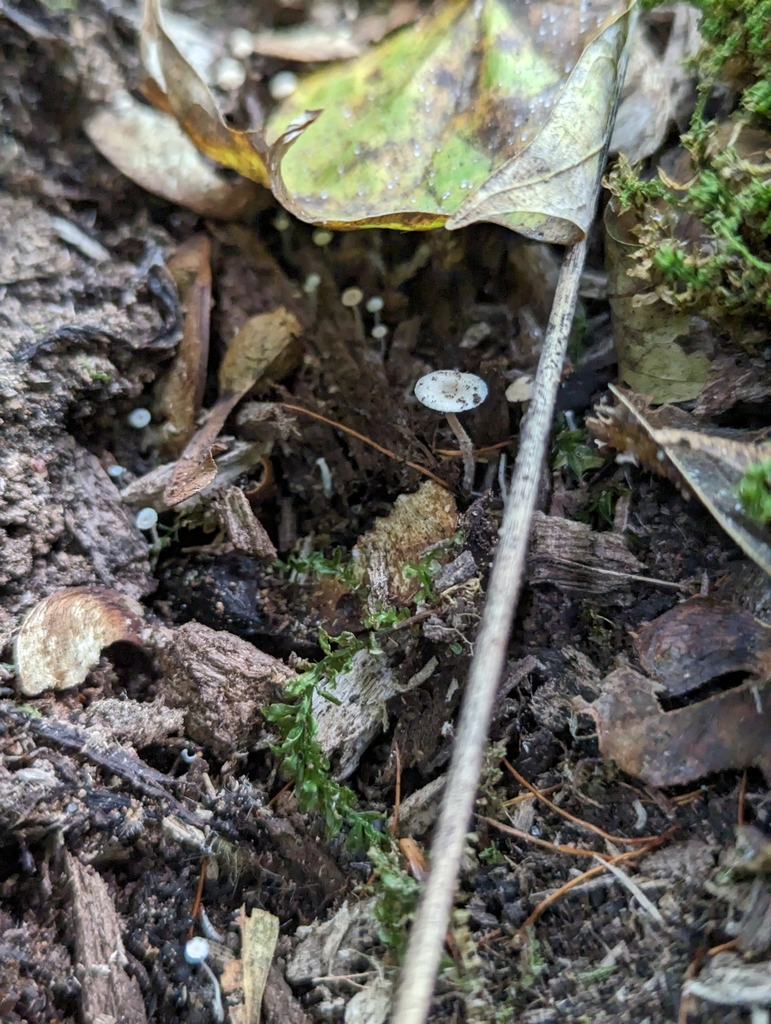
(451, 391)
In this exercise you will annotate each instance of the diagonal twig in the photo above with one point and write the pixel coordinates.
(424, 951)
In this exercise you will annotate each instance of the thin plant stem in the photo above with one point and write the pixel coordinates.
(421, 963)
(425, 946)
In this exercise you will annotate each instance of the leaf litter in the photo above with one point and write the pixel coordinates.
(229, 629)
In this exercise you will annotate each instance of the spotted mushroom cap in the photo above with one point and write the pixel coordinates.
(451, 391)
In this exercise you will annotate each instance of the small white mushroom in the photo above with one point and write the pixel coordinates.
(196, 952)
(451, 392)
(282, 85)
(352, 299)
(139, 418)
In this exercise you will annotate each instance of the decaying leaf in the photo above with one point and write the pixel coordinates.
(181, 391)
(262, 347)
(688, 647)
(703, 639)
(492, 111)
(149, 147)
(658, 87)
(658, 354)
(190, 100)
(240, 457)
(708, 463)
(63, 636)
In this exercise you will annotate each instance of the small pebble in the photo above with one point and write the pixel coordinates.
(139, 418)
(282, 85)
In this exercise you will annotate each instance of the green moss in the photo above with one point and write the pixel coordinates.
(754, 491)
(704, 247)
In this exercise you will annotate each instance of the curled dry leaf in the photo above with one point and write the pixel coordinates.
(702, 639)
(708, 463)
(263, 347)
(149, 147)
(685, 649)
(63, 636)
(181, 391)
(239, 458)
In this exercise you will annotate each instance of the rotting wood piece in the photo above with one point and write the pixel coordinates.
(107, 991)
(222, 682)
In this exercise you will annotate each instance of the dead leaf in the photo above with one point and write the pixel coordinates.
(487, 111)
(180, 392)
(479, 112)
(262, 347)
(63, 636)
(703, 639)
(239, 458)
(706, 462)
(193, 105)
(671, 748)
(658, 85)
(149, 147)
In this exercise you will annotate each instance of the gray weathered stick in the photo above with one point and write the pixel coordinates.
(425, 947)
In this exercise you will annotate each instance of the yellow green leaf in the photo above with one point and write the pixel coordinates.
(493, 110)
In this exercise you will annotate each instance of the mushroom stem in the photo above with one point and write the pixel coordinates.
(467, 451)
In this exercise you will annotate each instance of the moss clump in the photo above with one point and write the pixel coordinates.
(704, 233)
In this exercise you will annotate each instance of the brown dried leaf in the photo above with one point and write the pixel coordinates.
(63, 636)
(262, 347)
(706, 462)
(181, 391)
(149, 147)
(703, 639)
(671, 748)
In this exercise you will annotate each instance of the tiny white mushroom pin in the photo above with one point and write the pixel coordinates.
(451, 392)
